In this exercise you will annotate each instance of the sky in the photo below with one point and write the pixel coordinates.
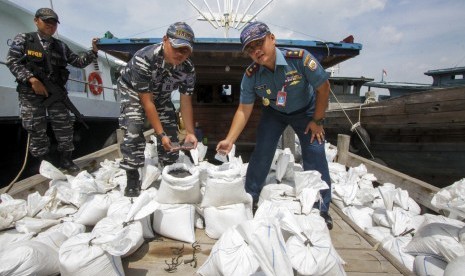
(403, 37)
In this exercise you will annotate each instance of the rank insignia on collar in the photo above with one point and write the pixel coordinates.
(294, 53)
(251, 69)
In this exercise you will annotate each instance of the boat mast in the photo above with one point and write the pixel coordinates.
(228, 17)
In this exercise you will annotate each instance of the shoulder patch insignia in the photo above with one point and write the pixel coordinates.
(295, 54)
(312, 65)
(252, 69)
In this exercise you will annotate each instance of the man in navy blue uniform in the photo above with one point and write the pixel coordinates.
(294, 89)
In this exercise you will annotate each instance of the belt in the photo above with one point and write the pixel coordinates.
(298, 111)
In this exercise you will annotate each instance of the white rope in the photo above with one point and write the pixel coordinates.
(353, 126)
(22, 168)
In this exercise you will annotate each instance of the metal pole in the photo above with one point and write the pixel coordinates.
(237, 11)
(203, 15)
(255, 15)
(245, 12)
(211, 13)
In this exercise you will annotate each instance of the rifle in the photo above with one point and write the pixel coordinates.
(57, 93)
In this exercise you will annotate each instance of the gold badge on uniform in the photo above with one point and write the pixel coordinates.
(265, 101)
(268, 91)
(312, 65)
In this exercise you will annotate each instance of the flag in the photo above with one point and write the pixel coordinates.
(384, 73)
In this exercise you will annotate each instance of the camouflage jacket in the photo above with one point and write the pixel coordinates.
(18, 64)
(147, 72)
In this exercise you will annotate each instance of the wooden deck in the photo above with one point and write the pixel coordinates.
(361, 257)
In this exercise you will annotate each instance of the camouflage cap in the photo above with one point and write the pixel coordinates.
(46, 13)
(253, 31)
(181, 35)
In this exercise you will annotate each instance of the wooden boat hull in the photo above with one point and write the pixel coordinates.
(421, 134)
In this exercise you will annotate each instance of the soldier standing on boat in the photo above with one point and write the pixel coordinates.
(294, 89)
(36, 59)
(146, 84)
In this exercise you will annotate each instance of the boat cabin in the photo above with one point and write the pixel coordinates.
(220, 65)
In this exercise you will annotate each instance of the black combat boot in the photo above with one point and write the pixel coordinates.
(133, 184)
(36, 161)
(66, 162)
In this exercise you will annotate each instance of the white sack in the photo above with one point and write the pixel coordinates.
(179, 190)
(308, 179)
(314, 255)
(221, 192)
(49, 171)
(11, 210)
(230, 256)
(56, 235)
(93, 209)
(151, 173)
(455, 267)
(175, 221)
(28, 258)
(33, 225)
(107, 226)
(82, 255)
(219, 219)
(396, 246)
(360, 215)
(437, 239)
(276, 193)
(8, 237)
(266, 241)
(429, 266)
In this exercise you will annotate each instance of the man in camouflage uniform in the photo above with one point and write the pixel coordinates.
(38, 53)
(146, 84)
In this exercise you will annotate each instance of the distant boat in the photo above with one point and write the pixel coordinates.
(418, 129)
(99, 105)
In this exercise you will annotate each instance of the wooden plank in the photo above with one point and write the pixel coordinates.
(151, 258)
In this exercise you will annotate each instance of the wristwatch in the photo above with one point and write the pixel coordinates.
(319, 122)
(161, 135)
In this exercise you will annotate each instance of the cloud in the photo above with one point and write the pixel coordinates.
(390, 35)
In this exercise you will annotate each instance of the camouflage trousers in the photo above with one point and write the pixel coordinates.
(34, 121)
(132, 121)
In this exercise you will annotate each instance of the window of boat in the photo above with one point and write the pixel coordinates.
(76, 81)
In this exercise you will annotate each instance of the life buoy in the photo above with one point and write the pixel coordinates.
(357, 142)
(95, 83)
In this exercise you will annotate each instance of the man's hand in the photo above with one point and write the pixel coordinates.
(224, 147)
(38, 87)
(316, 132)
(190, 142)
(94, 44)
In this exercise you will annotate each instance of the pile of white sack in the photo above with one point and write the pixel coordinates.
(426, 244)
(83, 225)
